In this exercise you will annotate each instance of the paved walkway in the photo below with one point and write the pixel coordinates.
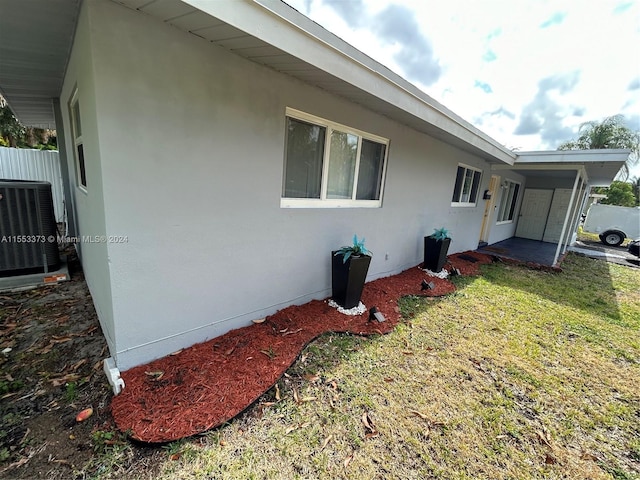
(619, 255)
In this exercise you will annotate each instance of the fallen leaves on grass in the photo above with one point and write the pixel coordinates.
(326, 442)
(544, 437)
(421, 415)
(370, 429)
(296, 427)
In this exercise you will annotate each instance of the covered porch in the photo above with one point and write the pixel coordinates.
(524, 250)
(556, 187)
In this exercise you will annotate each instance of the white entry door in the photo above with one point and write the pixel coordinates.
(533, 213)
(489, 207)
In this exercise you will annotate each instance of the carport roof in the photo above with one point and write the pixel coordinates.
(600, 166)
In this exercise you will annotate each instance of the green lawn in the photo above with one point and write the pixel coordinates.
(521, 374)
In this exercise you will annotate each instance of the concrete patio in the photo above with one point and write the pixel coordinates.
(542, 253)
(523, 250)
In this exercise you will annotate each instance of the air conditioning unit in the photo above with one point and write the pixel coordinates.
(28, 234)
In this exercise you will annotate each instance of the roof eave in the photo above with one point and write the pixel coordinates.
(601, 166)
(559, 156)
(283, 27)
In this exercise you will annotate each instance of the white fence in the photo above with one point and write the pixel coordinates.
(41, 165)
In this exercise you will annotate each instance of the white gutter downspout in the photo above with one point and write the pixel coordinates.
(566, 218)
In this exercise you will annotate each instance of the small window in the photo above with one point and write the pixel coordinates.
(508, 201)
(465, 191)
(76, 131)
(330, 165)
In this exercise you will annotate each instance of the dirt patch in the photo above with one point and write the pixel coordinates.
(50, 369)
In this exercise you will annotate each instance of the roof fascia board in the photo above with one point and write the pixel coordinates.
(538, 166)
(279, 25)
(595, 179)
(582, 156)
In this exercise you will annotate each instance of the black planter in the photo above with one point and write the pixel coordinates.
(347, 279)
(435, 253)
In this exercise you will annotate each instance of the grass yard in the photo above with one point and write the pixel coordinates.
(520, 374)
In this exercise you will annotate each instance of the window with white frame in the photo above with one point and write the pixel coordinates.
(331, 165)
(76, 131)
(465, 190)
(508, 201)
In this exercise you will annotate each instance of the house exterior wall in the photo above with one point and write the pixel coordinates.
(191, 147)
(506, 230)
(89, 205)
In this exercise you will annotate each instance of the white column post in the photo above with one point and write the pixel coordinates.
(566, 218)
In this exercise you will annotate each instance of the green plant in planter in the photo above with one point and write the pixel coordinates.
(436, 247)
(440, 233)
(348, 276)
(355, 250)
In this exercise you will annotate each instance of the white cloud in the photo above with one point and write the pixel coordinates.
(497, 63)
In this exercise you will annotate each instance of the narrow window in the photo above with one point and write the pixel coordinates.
(508, 201)
(76, 132)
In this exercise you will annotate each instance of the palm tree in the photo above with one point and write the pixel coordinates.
(610, 133)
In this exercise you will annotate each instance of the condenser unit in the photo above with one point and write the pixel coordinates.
(28, 234)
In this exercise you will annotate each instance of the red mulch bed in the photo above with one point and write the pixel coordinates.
(205, 385)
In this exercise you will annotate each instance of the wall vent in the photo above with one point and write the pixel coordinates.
(28, 234)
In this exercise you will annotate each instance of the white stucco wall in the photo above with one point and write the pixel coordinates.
(89, 205)
(191, 144)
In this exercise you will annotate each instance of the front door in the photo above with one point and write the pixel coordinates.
(533, 213)
(489, 206)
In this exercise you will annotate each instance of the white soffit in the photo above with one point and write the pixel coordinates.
(35, 42)
(272, 33)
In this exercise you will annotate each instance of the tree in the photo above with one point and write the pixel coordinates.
(619, 193)
(11, 130)
(609, 133)
(14, 134)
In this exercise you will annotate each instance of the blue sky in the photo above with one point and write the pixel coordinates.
(526, 72)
